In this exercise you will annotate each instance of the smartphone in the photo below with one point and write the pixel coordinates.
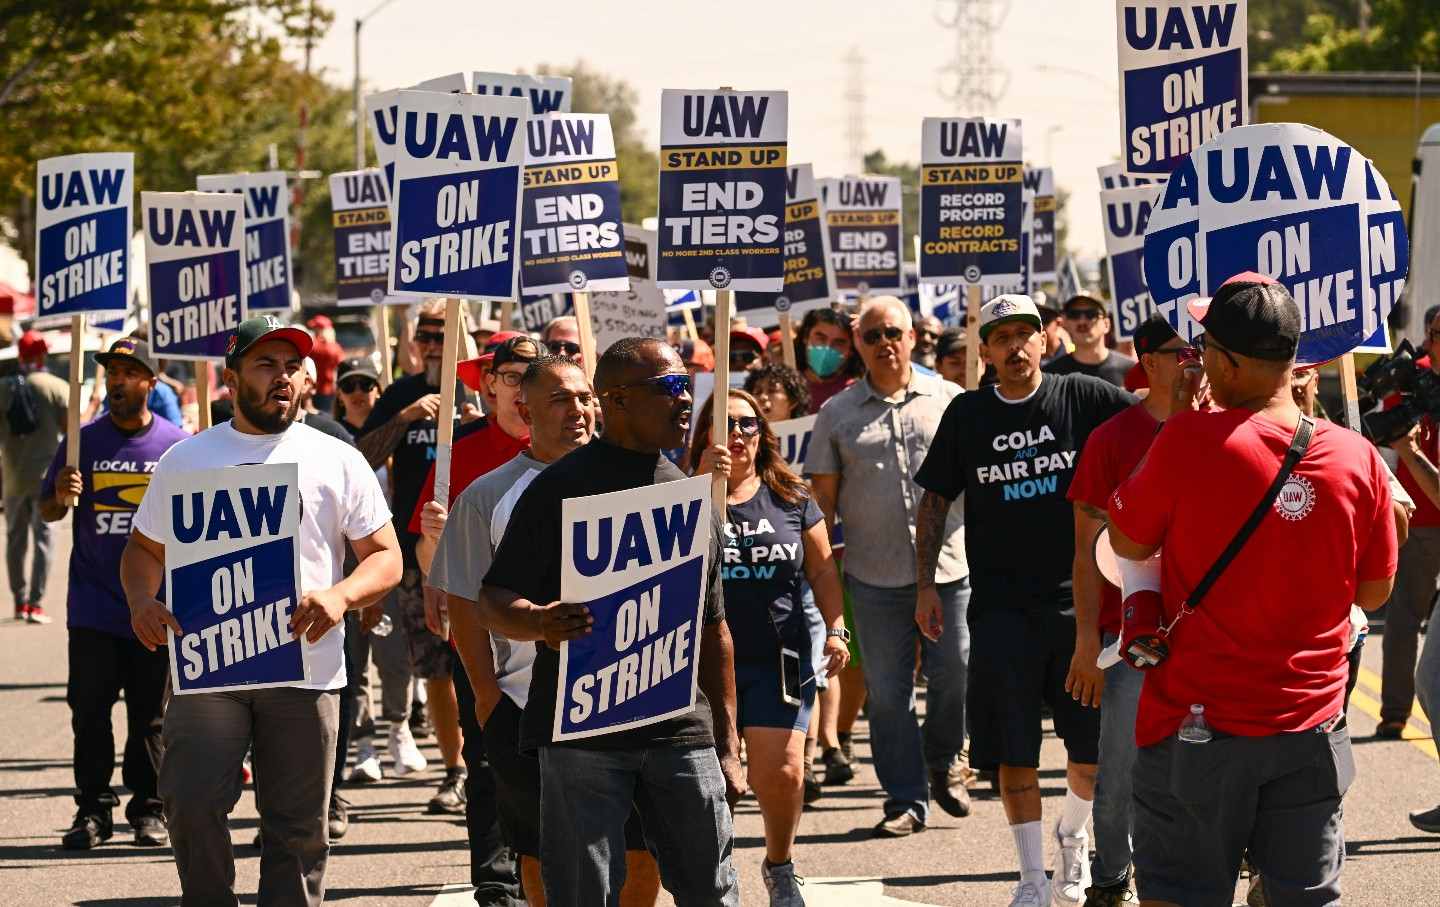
(790, 683)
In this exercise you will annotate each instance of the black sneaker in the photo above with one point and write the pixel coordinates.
(838, 768)
(812, 786)
(1427, 820)
(450, 799)
(1116, 894)
(947, 789)
(420, 727)
(901, 825)
(847, 746)
(339, 822)
(150, 830)
(90, 828)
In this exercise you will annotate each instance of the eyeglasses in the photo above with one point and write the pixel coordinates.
(1084, 314)
(423, 337)
(509, 379)
(1182, 354)
(1202, 343)
(890, 333)
(354, 385)
(563, 348)
(743, 358)
(675, 386)
(746, 426)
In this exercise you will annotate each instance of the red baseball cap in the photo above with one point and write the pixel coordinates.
(754, 335)
(471, 372)
(320, 323)
(32, 344)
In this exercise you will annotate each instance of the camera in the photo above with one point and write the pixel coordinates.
(1397, 373)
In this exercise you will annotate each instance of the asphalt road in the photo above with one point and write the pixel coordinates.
(395, 854)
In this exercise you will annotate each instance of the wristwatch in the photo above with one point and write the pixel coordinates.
(841, 632)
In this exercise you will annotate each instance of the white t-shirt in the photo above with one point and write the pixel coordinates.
(340, 499)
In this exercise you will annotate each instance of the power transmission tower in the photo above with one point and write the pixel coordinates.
(973, 81)
(855, 108)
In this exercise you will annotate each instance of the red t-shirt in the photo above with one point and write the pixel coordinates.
(825, 388)
(1265, 651)
(1426, 513)
(327, 355)
(1110, 455)
(470, 458)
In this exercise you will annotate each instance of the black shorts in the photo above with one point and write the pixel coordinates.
(517, 785)
(1018, 660)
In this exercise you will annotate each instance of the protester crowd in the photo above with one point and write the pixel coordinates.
(931, 537)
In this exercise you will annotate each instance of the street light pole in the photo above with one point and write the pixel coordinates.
(359, 108)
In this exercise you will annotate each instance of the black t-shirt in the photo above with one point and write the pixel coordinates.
(764, 575)
(528, 564)
(1014, 460)
(414, 454)
(1113, 369)
(326, 424)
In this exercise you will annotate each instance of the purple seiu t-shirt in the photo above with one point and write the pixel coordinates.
(116, 471)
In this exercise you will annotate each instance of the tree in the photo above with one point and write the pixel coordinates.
(1278, 25)
(1402, 35)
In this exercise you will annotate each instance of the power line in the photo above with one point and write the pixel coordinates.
(973, 80)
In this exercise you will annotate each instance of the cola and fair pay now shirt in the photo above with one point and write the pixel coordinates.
(115, 470)
(1265, 651)
(340, 499)
(1110, 455)
(471, 457)
(1013, 461)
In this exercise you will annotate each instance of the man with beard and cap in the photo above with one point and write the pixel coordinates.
(1010, 450)
(290, 729)
(679, 772)
(402, 428)
(1175, 377)
(118, 451)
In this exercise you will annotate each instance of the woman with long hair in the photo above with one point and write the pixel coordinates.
(825, 351)
(775, 540)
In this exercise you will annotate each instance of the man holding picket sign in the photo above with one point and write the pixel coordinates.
(248, 570)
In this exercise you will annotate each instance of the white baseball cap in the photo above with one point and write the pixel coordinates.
(1009, 307)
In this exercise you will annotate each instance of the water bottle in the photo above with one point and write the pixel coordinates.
(383, 627)
(1194, 728)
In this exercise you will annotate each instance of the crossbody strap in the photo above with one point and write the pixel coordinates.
(1298, 445)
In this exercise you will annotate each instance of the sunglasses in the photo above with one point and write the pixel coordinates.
(1202, 344)
(1084, 314)
(891, 333)
(353, 385)
(1182, 354)
(423, 337)
(743, 358)
(674, 386)
(563, 348)
(747, 426)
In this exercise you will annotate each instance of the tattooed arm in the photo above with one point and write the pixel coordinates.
(929, 538)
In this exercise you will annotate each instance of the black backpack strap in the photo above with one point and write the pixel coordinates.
(1298, 445)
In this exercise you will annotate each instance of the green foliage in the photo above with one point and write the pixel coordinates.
(1280, 25)
(1402, 35)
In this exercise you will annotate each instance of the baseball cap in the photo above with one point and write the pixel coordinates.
(137, 351)
(357, 365)
(952, 341)
(265, 327)
(754, 335)
(1083, 299)
(319, 323)
(1008, 307)
(32, 344)
(520, 348)
(1252, 315)
(697, 352)
(1153, 333)
(494, 343)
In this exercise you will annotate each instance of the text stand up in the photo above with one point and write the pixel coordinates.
(587, 333)
(720, 397)
(77, 381)
(972, 337)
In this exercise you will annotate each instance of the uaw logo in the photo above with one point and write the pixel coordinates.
(972, 273)
(719, 277)
(578, 280)
(1296, 499)
(377, 296)
(782, 303)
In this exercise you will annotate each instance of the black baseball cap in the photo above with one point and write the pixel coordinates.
(522, 349)
(1153, 333)
(1082, 299)
(265, 327)
(132, 349)
(951, 341)
(1252, 315)
(357, 365)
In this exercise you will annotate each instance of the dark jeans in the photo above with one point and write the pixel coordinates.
(493, 869)
(348, 696)
(101, 666)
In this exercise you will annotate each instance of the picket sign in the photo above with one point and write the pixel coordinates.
(719, 410)
(587, 332)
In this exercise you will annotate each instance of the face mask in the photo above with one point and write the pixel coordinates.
(823, 360)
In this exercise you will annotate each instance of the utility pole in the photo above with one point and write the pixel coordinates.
(855, 108)
(359, 106)
(973, 80)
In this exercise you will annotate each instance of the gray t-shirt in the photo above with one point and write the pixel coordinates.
(467, 548)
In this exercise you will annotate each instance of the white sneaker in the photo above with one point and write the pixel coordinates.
(1031, 894)
(403, 751)
(1072, 868)
(367, 763)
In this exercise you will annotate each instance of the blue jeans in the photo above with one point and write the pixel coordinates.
(586, 796)
(904, 752)
(1118, 704)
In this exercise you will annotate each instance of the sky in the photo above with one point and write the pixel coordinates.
(1059, 54)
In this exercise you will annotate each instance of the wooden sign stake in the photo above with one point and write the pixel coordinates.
(972, 337)
(689, 317)
(507, 315)
(445, 422)
(202, 395)
(720, 397)
(1349, 391)
(77, 383)
(382, 342)
(787, 339)
(587, 333)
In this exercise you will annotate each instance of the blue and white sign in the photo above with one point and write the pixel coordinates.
(458, 163)
(722, 190)
(195, 259)
(794, 438)
(1113, 176)
(637, 559)
(382, 113)
(538, 311)
(572, 239)
(82, 233)
(971, 193)
(1292, 202)
(267, 235)
(547, 94)
(1389, 254)
(638, 311)
(232, 579)
(360, 213)
(809, 280)
(1068, 284)
(1041, 181)
(1125, 212)
(1183, 68)
(863, 218)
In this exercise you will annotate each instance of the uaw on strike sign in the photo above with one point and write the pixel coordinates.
(971, 188)
(637, 559)
(267, 235)
(195, 253)
(82, 233)
(722, 190)
(232, 578)
(1292, 202)
(1125, 213)
(1183, 66)
(458, 159)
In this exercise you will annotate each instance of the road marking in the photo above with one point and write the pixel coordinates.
(1372, 682)
(1360, 700)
